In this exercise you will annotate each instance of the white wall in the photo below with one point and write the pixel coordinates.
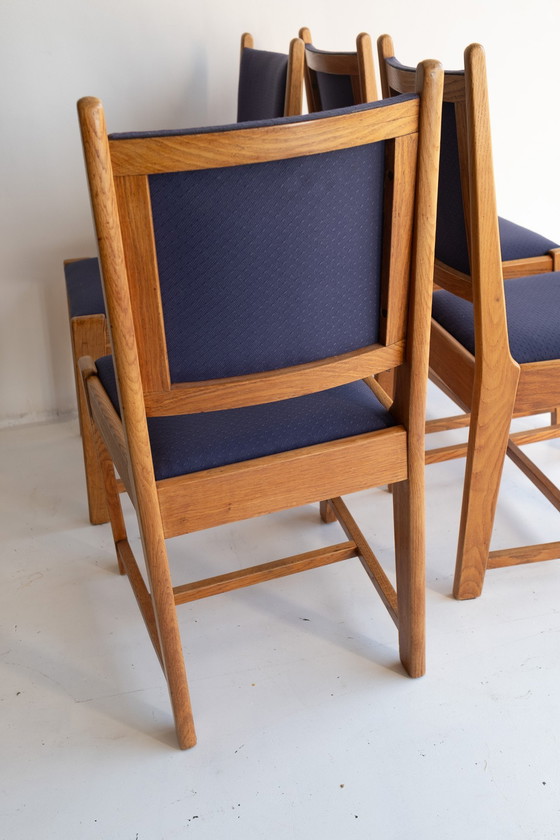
(173, 63)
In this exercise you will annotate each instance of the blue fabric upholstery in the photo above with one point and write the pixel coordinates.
(451, 239)
(518, 243)
(299, 239)
(262, 85)
(194, 442)
(335, 91)
(83, 287)
(532, 305)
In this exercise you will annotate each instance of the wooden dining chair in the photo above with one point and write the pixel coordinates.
(338, 79)
(495, 346)
(240, 380)
(270, 85)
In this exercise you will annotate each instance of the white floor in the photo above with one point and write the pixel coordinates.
(307, 726)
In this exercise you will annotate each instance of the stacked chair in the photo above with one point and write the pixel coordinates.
(239, 386)
(495, 345)
(270, 85)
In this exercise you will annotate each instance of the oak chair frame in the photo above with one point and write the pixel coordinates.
(89, 334)
(489, 386)
(117, 175)
(359, 66)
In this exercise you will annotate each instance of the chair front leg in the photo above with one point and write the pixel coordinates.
(488, 437)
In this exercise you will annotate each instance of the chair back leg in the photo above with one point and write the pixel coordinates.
(88, 338)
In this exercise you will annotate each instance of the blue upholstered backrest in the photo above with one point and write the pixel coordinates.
(451, 238)
(335, 91)
(262, 85)
(269, 265)
(272, 264)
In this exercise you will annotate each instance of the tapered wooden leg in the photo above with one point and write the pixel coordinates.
(326, 512)
(165, 612)
(409, 524)
(488, 437)
(89, 339)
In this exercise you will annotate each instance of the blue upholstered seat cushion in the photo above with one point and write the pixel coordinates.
(518, 243)
(532, 305)
(83, 287)
(193, 442)
(262, 85)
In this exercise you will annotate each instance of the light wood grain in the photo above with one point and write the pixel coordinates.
(247, 41)
(89, 338)
(276, 482)
(453, 281)
(121, 324)
(452, 364)
(534, 474)
(399, 212)
(235, 147)
(271, 386)
(368, 559)
(517, 556)
(496, 373)
(539, 387)
(293, 104)
(265, 571)
(528, 266)
(141, 263)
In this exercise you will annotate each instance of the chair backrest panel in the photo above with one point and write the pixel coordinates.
(336, 91)
(451, 234)
(262, 85)
(268, 265)
(215, 222)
